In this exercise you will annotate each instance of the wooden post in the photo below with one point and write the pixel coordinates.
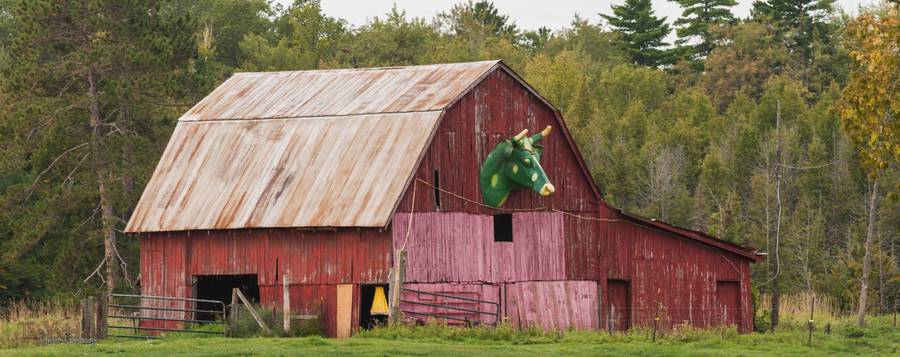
(655, 320)
(232, 311)
(252, 311)
(87, 317)
(810, 323)
(396, 285)
(100, 332)
(286, 308)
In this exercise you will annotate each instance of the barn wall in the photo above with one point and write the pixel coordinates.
(315, 262)
(460, 247)
(679, 273)
(494, 110)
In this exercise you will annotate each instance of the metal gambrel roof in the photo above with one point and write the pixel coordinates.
(325, 148)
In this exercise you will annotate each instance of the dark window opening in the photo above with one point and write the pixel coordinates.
(503, 231)
(437, 190)
(218, 287)
(367, 295)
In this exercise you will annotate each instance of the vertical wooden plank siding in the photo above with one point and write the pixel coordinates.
(460, 247)
(553, 305)
(678, 273)
(316, 262)
(494, 110)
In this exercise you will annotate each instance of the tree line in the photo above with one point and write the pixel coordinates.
(775, 131)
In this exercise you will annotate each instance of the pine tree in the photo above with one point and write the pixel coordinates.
(644, 34)
(697, 21)
(801, 22)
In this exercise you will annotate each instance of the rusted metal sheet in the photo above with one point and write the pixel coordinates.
(552, 305)
(307, 172)
(677, 272)
(460, 247)
(338, 92)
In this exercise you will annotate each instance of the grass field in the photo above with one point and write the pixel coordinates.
(879, 339)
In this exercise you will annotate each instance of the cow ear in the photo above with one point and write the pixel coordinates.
(538, 150)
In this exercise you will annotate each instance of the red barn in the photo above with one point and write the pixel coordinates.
(321, 175)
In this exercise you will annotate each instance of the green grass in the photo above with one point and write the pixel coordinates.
(879, 338)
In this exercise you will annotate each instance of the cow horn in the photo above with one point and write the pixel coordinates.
(546, 131)
(521, 135)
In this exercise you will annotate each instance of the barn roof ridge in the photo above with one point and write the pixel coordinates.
(369, 114)
(351, 69)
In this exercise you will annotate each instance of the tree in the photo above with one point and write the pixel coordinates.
(303, 38)
(801, 22)
(869, 106)
(477, 21)
(91, 90)
(696, 23)
(644, 34)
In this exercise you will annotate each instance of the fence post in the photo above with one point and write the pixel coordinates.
(101, 313)
(655, 320)
(286, 309)
(396, 285)
(233, 311)
(87, 317)
(810, 324)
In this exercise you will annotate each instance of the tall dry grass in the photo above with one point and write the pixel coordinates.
(28, 322)
(795, 308)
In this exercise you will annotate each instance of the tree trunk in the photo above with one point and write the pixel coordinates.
(776, 263)
(867, 258)
(106, 211)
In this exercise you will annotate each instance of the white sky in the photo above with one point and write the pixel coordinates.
(527, 15)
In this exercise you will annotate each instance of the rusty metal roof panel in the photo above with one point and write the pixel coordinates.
(256, 95)
(328, 171)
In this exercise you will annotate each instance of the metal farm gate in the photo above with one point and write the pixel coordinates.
(147, 316)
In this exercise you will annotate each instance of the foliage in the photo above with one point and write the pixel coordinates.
(870, 103)
(643, 33)
(697, 22)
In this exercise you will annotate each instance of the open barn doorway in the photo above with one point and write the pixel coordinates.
(218, 287)
(366, 297)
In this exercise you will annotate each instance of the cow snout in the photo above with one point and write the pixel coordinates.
(547, 189)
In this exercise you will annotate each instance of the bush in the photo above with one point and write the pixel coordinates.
(244, 325)
(854, 331)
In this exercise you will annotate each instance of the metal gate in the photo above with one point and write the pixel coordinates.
(447, 311)
(150, 315)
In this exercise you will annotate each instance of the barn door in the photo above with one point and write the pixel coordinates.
(618, 305)
(728, 295)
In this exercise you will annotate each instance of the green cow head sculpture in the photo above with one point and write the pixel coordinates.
(514, 164)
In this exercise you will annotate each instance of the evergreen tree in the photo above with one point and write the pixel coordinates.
(801, 22)
(697, 22)
(644, 34)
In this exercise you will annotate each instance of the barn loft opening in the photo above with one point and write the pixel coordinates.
(437, 190)
(503, 231)
(366, 297)
(218, 287)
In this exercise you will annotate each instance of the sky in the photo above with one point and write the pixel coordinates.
(528, 15)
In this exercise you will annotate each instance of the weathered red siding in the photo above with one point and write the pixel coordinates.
(555, 305)
(314, 261)
(494, 110)
(460, 247)
(678, 273)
